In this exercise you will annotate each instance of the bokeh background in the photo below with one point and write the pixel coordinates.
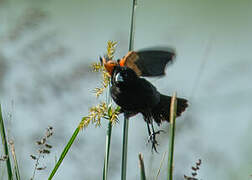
(46, 51)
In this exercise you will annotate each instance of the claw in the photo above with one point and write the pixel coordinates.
(152, 139)
(152, 134)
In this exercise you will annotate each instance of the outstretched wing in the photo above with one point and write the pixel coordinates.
(148, 63)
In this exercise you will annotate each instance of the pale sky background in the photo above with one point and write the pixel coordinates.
(47, 47)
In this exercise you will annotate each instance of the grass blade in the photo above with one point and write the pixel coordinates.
(173, 110)
(16, 169)
(125, 147)
(132, 25)
(63, 154)
(161, 164)
(141, 165)
(5, 145)
(106, 160)
(126, 118)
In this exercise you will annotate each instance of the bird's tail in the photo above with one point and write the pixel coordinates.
(162, 111)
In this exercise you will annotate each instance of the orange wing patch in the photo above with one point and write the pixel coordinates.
(129, 61)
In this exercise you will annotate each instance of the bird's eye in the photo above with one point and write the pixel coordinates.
(119, 77)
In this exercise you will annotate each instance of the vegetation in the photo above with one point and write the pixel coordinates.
(104, 110)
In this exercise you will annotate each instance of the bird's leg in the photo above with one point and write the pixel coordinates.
(153, 138)
(156, 132)
(152, 135)
(149, 131)
(150, 138)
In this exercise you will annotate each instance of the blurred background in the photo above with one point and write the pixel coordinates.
(46, 51)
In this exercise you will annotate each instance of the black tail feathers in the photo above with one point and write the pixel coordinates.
(162, 111)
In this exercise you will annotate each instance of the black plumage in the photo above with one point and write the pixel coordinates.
(137, 95)
(153, 62)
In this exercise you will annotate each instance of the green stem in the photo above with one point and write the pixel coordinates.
(173, 110)
(108, 140)
(126, 118)
(161, 164)
(125, 147)
(63, 154)
(16, 169)
(132, 25)
(106, 160)
(5, 144)
(141, 165)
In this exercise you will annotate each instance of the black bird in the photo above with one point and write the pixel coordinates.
(137, 95)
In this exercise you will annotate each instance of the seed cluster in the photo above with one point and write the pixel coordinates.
(195, 169)
(43, 149)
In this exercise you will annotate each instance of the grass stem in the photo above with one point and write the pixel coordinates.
(106, 160)
(16, 169)
(126, 118)
(5, 145)
(173, 110)
(161, 164)
(63, 154)
(141, 165)
(132, 25)
(125, 147)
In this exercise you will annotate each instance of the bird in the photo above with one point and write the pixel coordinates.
(134, 94)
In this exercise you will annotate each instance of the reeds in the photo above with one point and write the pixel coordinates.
(109, 112)
(64, 152)
(110, 53)
(107, 151)
(96, 113)
(5, 146)
(13, 153)
(141, 166)
(173, 110)
(126, 118)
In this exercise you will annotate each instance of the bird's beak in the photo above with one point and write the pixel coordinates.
(109, 65)
(119, 78)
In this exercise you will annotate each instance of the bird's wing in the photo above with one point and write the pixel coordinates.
(148, 63)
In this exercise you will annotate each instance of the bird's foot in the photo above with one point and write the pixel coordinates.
(152, 136)
(152, 139)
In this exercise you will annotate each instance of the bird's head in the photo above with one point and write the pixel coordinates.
(108, 64)
(123, 75)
